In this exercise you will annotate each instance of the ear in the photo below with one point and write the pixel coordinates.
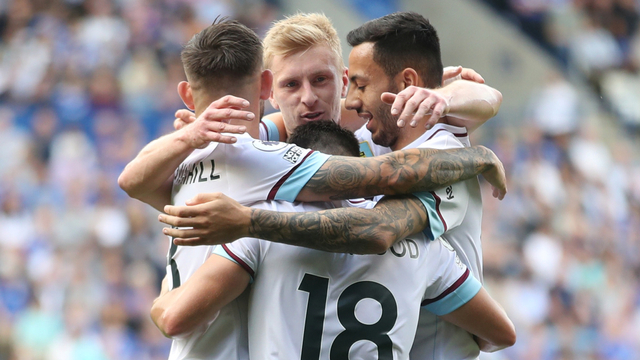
(272, 99)
(406, 78)
(266, 80)
(184, 90)
(345, 82)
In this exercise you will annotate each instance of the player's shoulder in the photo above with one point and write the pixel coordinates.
(444, 136)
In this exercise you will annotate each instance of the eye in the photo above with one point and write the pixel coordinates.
(361, 88)
(321, 78)
(290, 84)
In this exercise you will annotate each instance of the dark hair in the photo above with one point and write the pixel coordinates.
(403, 40)
(325, 136)
(224, 54)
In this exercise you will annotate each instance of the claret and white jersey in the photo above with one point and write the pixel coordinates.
(248, 171)
(455, 214)
(310, 304)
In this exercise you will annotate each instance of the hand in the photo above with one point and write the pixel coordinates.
(184, 117)
(213, 218)
(214, 121)
(453, 73)
(496, 177)
(415, 103)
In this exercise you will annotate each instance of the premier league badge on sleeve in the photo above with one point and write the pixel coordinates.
(269, 145)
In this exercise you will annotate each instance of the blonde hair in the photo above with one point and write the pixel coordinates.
(298, 33)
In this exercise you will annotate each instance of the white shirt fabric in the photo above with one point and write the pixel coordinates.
(455, 214)
(248, 171)
(310, 304)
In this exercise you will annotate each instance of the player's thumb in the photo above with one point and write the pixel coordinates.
(388, 98)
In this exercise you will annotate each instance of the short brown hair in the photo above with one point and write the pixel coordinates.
(226, 53)
(298, 33)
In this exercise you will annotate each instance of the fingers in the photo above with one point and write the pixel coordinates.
(179, 124)
(183, 211)
(439, 110)
(190, 242)
(204, 197)
(226, 114)
(230, 101)
(471, 75)
(450, 72)
(499, 193)
(388, 98)
(185, 115)
(178, 221)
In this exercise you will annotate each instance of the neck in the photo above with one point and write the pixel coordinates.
(408, 135)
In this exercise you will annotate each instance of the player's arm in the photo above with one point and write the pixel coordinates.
(483, 317)
(402, 172)
(216, 283)
(346, 230)
(148, 177)
(461, 103)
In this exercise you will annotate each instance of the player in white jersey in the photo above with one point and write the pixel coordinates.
(146, 176)
(335, 283)
(456, 209)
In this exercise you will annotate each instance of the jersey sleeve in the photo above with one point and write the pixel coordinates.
(244, 252)
(453, 285)
(446, 207)
(270, 170)
(269, 130)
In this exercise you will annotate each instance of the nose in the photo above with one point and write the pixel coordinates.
(309, 96)
(352, 102)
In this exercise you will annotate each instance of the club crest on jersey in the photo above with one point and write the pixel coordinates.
(269, 145)
(293, 155)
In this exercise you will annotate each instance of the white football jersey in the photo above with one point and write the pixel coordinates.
(248, 171)
(310, 304)
(455, 214)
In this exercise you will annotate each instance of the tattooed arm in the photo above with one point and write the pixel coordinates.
(347, 230)
(403, 172)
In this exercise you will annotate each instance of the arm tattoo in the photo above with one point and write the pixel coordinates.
(347, 230)
(399, 172)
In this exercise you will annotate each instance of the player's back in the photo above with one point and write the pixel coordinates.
(317, 305)
(248, 171)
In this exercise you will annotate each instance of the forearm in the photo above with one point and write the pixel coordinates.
(154, 166)
(216, 283)
(470, 104)
(345, 230)
(400, 172)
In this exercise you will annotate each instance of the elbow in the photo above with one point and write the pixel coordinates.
(505, 338)
(171, 325)
(497, 101)
(129, 186)
(381, 244)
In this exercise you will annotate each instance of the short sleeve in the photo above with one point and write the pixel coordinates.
(453, 285)
(270, 170)
(244, 252)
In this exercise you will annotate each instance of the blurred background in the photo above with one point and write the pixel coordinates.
(84, 84)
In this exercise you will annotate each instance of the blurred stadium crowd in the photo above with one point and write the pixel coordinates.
(85, 84)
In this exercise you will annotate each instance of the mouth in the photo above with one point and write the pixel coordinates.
(312, 116)
(366, 116)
